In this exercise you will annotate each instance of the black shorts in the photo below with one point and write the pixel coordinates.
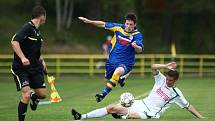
(28, 76)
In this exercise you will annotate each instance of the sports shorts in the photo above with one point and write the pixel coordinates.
(28, 76)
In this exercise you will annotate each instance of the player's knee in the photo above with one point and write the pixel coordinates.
(42, 95)
(25, 92)
(111, 109)
(119, 71)
(26, 96)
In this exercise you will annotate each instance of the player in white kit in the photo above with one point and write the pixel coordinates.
(163, 94)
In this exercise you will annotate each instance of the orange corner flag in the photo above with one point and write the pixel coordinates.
(54, 97)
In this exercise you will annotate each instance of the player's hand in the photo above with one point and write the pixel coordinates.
(25, 61)
(45, 70)
(171, 65)
(134, 44)
(85, 20)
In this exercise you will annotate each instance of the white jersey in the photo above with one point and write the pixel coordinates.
(160, 98)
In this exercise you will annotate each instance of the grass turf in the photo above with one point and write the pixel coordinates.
(79, 93)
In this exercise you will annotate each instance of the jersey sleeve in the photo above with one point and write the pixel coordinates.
(112, 26)
(159, 77)
(180, 100)
(139, 40)
(22, 33)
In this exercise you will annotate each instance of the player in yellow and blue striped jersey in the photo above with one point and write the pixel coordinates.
(127, 41)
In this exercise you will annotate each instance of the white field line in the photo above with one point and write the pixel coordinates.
(45, 102)
(143, 95)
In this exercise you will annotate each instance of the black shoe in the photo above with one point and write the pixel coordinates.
(99, 97)
(122, 84)
(116, 116)
(77, 115)
(34, 103)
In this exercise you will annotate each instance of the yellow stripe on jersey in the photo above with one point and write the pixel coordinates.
(13, 37)
(32, 38)
(16, 77)
(113, 41)
(121, 30)
(135, 33)
(126, 33)
(116, 28)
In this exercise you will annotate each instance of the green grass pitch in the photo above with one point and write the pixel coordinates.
(79, 93)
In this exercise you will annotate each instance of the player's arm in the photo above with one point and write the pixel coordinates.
(156, 67)
(44, 65)
(18, 51)
(137, 43)
(95, 23)
(137, 48)
(192, 110)
(15, 42)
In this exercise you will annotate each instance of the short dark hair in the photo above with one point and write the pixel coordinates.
(38, 11)
(173, 73)
(131, 16)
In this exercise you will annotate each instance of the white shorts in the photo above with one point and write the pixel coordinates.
(139, 107)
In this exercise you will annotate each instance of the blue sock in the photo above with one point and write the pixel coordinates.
(108, 88)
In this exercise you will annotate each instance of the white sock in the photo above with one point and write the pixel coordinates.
(95, 113)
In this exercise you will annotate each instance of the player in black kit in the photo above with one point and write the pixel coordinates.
(28, 66)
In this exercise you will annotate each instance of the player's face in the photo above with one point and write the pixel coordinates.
(42, 19)
(170, 81)
(129, 25)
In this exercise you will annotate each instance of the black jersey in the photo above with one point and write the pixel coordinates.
(30, 41)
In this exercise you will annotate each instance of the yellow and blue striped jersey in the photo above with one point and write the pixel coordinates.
(122, 50)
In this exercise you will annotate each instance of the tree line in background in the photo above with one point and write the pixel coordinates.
(188, 23)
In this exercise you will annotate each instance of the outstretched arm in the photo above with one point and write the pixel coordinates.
(95, 23)
(192, 110)
(170, 66)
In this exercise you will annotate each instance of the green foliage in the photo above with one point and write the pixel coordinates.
(191, 24)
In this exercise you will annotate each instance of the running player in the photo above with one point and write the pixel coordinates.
(163, 94)
(28, 65)
(127, 41)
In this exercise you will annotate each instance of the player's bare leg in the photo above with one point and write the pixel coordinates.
(101, 112)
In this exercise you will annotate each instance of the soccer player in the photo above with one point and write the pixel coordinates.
(127, 41)
(163, 94)
(28, 65)
(106, 46)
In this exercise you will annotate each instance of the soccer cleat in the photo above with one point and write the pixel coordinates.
(34, 103)
(122, 84)
(99, 97)
(116, 116)
(77, 115)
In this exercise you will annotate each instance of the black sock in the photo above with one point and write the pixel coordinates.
(22, 109)
(34, 96)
